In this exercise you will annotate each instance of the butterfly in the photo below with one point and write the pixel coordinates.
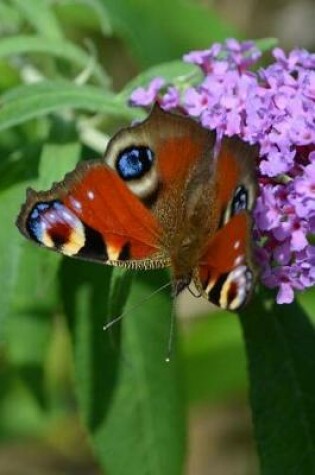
(162, 196)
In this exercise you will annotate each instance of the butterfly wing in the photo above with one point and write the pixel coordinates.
(91, 215)
(178, 143)
(226, 273)
(106, 210)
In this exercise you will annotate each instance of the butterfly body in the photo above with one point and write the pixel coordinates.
(160, 198)
(187, 225)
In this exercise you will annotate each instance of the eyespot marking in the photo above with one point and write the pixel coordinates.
(231, 290)
(53, 225)
(134, 162)
(136, 165)
(237, 287)
(240, 200)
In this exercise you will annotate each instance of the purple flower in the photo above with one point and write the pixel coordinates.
(146, 96)
(297, 58)
(273, 107)
(286, 293)
(285, 278)
(282, 253)
(171, 99)
(196, 101)
(203, 58)
(242, 54)
(305, 188)
(268, 207)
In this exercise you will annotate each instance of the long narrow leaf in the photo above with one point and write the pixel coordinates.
(85, 14)
(160, 31)
(41, 16)
(130, 398)
(32, 299)
(22, 44)
(280, 344)
(213, 346)
(10, 249)
(27, 102)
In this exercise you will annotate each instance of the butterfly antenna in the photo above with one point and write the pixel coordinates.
(137, 305)
(171, 332)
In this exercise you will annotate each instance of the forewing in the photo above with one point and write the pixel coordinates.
(177, 143)
(91, 214)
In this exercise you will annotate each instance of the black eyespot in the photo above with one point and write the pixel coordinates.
(134, 162)
(240, 200)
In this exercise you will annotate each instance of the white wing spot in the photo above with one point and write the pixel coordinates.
(90, 195)
(76, 204)
(237, 244)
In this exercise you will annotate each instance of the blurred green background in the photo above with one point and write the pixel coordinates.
(106, 44)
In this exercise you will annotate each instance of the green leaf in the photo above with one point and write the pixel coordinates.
(10, 17)
(213, 345)
(22, 44)
(40, 15)
(33, 296)
(10, 248)
(85, 292)
(149, 393)
(120, 286)
(27, 102)
(130, 398)
(29, 323)
(161, 31)
(311, 239)
(85, 14)
(307, 300)
(172, 71)
(280, 345)
(266, 44)
(56, 161)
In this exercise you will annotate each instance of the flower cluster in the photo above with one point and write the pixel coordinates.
(275, 108)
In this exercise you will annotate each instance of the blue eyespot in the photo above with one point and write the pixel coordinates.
(35, 221)
(43, 216)
(240, 200)
(134, 162)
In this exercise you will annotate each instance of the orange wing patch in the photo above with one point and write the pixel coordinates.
(226, 274)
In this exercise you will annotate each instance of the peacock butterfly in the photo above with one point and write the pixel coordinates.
(161, 197)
